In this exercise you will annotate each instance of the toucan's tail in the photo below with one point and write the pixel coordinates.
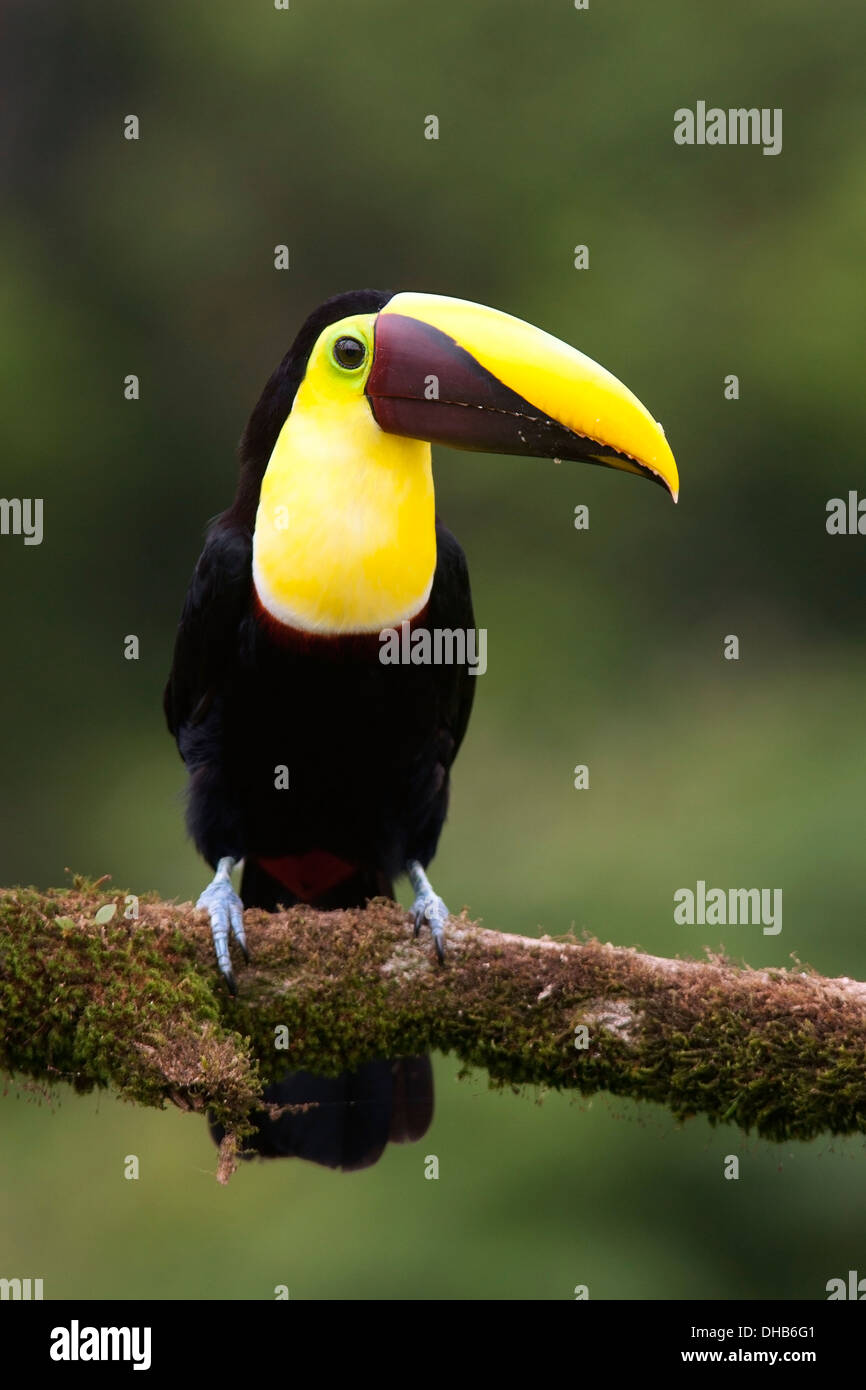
(344, 1121)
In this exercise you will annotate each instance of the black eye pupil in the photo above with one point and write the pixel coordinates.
(348, 352)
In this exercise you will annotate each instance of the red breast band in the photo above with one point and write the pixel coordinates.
(308, 876)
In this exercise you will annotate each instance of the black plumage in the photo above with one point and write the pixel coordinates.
(368, 748)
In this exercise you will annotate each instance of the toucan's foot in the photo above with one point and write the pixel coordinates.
(427, 907)
(226, 918)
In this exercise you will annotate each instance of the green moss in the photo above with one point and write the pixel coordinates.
(139, 1006)
(113, 1004)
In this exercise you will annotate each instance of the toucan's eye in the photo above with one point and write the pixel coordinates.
(349, 353)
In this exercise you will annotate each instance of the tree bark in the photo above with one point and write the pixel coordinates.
(136, 1004)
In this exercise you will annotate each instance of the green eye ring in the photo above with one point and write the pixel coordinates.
(349, 353)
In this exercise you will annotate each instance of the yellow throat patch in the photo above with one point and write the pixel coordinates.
(345, 537)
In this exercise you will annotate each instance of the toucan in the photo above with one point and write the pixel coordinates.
(321, 767)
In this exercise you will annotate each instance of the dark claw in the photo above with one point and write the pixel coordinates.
(430, 909)
(226, 913)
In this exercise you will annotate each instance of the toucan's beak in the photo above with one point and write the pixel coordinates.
(457, 373)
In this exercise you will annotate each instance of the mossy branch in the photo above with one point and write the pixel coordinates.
(138, 1006)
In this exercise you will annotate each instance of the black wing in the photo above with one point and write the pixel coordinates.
(207, 637)
(451, 607)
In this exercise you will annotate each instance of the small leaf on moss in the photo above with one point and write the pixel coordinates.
(105, 914)
(65, 923)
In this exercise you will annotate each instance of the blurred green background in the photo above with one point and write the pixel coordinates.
(306, 127)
